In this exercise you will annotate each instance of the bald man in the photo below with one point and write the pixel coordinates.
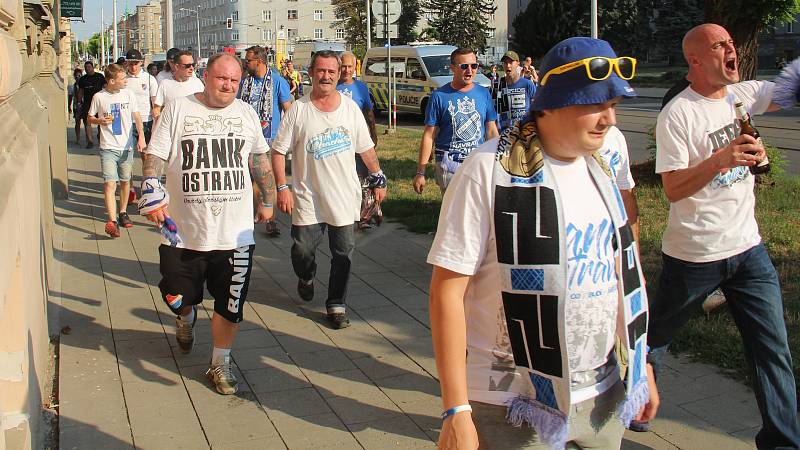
(712, 239)
(212, 145)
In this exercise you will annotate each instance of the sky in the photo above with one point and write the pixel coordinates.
(91, 15)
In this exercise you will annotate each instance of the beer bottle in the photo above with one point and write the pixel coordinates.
(747, 127)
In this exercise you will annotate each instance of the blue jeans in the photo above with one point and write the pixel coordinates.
(751, 287)
(342, 243)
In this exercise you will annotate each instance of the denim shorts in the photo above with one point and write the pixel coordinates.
(116, 164)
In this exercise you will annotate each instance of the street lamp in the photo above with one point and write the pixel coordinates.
(197, 16)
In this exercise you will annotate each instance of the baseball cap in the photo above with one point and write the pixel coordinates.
(574, 87)
(133, 54)
(512, 55)
(172, 52)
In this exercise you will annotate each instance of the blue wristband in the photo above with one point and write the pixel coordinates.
(454, 410)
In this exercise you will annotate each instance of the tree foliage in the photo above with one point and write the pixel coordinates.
(463, 23)
(408, 22)
(93, 45)
(351, 16)
(745, 20)
(544, 23)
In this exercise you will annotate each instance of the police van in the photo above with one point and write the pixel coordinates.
(419, 70)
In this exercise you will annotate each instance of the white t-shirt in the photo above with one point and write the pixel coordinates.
(718, 221)
(465, 243)
(615, 152)
(208, 177)
(170, 89)
(324, 144)
(163, 75)
(143, 87)
(119, 134)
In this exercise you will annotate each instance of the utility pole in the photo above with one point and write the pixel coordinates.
(102, 35)
(594, 18)
(197, 16)
(168, 24)
(369, 27)
(116, 41)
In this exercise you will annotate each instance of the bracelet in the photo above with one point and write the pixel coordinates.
(266, 205)
(282, 187)
(454, 410)
(421, 173)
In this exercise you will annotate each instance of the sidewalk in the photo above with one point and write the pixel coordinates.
(124, 385)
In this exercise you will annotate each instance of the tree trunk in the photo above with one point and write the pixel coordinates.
(743, 30)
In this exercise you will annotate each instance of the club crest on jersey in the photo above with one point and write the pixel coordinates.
(144, 86)
(466, 119)
(174, 301)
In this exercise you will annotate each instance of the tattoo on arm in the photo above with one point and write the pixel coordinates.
(370, 159)
(152, 166)
(261, 172)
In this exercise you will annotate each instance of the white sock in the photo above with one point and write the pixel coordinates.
(218, 353)
(188, 318)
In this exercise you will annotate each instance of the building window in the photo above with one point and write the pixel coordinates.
(266, 35)
(428, 16)
(235, 36)
(340, 34)
(291, 33)
(790, 27)
(317, 33)
(318, 14)
(291, 14)
(490, 33)
(266, 15)
(235, 16)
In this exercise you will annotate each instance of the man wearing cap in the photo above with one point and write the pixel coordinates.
(712, 238)
(514, 93)
(183, 82)
(536, 275)
(166, 72)
(144, 86)
(458, 118)
(268, 93)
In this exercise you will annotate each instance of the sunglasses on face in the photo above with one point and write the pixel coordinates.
(186, 66)
(464, 66)
(598, 68)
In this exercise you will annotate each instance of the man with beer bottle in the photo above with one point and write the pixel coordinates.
(712, 239)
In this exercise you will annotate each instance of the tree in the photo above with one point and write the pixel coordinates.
(408, 22)
(462, 23)
(93, 45)
(547, 22)
(351, 16)
(672, 19)
(744, 20)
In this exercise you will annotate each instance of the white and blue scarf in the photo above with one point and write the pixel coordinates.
(531, 253)
(263, 105)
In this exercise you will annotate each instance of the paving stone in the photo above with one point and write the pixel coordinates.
(260, 358)
(143, 348)
(83, 436)
(164, 419)
(689, 431)
(268, 443)
(245, 422)
(320, 431)
(645, 441)
(296, 402)
(161, 370)
(392, 432)
(360, 409)
(410, 388)
(348, 383)
(332, 360)
(386, 365)
(92, 405)
(394, 323)
(283, 377)
(188, 440)
(254, 338)
(729, 412)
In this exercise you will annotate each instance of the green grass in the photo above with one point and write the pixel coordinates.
(710, 338)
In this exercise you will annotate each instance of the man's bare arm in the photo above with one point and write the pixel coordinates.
(369, 115)
(425, 147)
(261, 173)
(152, 166)
(491, 130)
(370, 158)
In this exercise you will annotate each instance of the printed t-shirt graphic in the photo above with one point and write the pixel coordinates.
(358, 91)
(121, 105)
(513, 101)
(323, 146)
(615, 153)
(461, 118)
(208, 177)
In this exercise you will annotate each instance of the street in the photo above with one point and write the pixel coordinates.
(636, 116)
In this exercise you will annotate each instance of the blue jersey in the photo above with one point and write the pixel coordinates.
(358, 91)
(461, 118)
(513, 101)
(280, 95)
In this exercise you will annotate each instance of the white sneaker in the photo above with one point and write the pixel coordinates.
(222, 376)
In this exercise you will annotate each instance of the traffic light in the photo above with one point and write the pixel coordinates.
(229, 23)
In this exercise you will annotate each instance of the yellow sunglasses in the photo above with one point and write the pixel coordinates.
(598, 68)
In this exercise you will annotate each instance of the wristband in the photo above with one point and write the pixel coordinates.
(282, 187)
(421, 173)
(454, 410)
(267, 205)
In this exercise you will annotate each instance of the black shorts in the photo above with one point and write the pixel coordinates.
(226, 274)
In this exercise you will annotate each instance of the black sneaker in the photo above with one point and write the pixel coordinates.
(338, 320)
(125, 220)
(305, 289)
(271, 228)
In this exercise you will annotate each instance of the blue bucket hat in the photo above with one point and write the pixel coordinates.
(574, 87)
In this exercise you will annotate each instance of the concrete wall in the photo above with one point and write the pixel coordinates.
(32, 168)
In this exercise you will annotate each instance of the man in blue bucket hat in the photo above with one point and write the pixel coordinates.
(537, 278)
